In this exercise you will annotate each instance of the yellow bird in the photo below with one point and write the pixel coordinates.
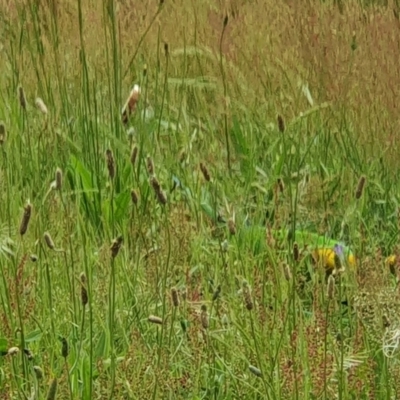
(326, 258)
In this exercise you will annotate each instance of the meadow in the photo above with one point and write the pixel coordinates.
(166, 171)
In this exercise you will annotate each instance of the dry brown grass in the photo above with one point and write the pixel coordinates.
(348, 59)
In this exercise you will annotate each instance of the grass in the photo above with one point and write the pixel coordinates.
(146, 259)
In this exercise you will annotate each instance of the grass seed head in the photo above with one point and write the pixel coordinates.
(21, 97)
(64, 348)
(155, 320)
(150, 166)
(287, 272)
(51, 394)
(116, 246)
(110, 164)
(281, 124)
(226, 19)
(12, 351)
(3, 133)
(205, 172)
(41, 106)
(331, 287)
(59, 179)
(232, 226)
(204, 318)
(25, 219)
(84, 293)
(175, 297)
(134, 154)
(254, 370)
(296, 252)
(161, 195)
(166, 49)
(38, 372)
(134, 197)
(281, 185)
(49, 241)
(360, 187)
(248, 302)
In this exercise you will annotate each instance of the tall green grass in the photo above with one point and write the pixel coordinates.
(240, 328)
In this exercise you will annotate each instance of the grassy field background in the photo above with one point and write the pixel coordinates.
(140, 260)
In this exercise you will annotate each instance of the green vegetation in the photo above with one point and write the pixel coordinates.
(157, 241)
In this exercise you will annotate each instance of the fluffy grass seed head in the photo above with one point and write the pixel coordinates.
(155, 320)
(39, 103)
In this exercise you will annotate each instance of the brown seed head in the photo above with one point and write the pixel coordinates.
(175, 297)
(59, 179)
(116, 246)
(296, 252)
(25, 219)
(3, 133)
(281, 124)
(331, 287)
(248, 302)
(166, 50)
(231, 226)
(360, 187)
(22, 98)
(205, 172)
(64, 348)
(134, 197)
(84, 293)
(110, 164)
(134, 155)
(205, 322)
(150, 166)
(226, 20)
